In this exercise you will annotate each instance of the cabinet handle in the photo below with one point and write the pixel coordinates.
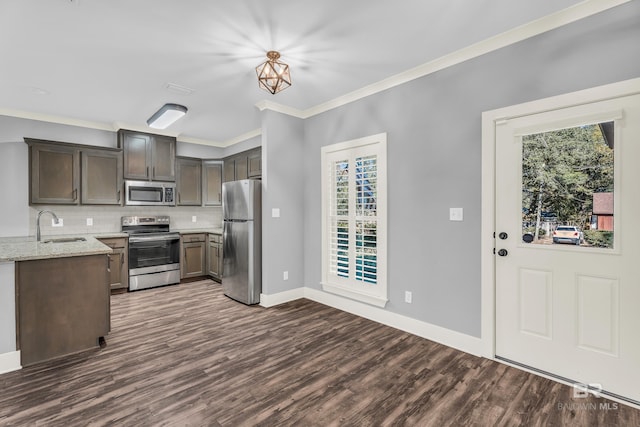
(118, 195)
(75, 194)
(108, 264)
(154, 171)
(219, 197)
(121, 260)
(179, 198)
(185, 259)
(148, 172)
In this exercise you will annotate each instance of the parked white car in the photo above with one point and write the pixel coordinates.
(568, 234)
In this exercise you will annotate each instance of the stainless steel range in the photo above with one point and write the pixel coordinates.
(154, 252)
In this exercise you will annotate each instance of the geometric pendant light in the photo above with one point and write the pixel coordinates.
(273, 75)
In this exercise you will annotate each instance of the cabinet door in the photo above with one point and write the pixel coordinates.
(189, 183)
(242, 168)
(54, 174)
(212, 183)
(213, 260)
(194, 262)
(118, 263)
(118, 276)
(101, 177)
(135, 149)
(163, 158)
(255, 163)
(229, 170)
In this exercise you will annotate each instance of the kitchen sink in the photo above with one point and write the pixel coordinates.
(66, 240)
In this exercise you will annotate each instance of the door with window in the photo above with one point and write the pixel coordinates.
(568, 243)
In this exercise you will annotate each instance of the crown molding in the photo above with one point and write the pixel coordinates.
(281, 108)
(547, 23)
(54, 119)
(240, 138)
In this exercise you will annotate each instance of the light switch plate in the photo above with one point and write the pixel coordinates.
(455, 214)
(89, 222)
(194, 218)
(275, 213)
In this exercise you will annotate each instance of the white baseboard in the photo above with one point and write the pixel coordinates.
(281, 297)
(457, 340)
(10, 362)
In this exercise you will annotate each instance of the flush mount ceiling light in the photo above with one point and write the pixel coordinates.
(166, 116)
(273, 75)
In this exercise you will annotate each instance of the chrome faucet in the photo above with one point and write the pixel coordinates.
(55, 218)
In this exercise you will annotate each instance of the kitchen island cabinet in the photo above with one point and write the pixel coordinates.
(62, 306)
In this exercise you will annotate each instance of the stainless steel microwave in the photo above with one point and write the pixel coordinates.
(149, 193)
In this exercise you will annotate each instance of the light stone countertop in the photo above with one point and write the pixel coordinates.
(26, 248)
(200, 230)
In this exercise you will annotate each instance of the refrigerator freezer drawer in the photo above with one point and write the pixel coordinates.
(242, 275)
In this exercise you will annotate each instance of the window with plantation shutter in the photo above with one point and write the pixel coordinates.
(354, 219)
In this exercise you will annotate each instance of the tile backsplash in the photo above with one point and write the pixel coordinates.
(106, 219)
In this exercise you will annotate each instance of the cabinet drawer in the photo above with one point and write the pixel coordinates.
(113, 243)
(215, 238)
(191, 238)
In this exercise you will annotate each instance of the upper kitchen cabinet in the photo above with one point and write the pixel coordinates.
(148, 156)
(70, 174)
(101, 177)
(54, 172)
(254, 163)
(212, 182)
(189, 182)
(247, 164)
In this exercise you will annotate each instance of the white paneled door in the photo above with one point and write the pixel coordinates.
(568, 243)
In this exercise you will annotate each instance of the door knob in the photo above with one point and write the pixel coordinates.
(503, 252)
(503, 235)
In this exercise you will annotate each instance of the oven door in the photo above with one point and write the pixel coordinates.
(154, 253)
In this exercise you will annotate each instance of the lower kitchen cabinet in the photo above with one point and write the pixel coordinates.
(214, 256)
(118, 263)
(193, 255)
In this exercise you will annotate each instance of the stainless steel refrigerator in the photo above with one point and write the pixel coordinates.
(242, 240)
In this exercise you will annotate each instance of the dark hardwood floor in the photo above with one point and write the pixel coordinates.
(188, 356)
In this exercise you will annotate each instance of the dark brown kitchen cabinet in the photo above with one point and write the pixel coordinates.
(101, 177)
(54, 173)
(212, 182)
(254, 163)
(192, 255)
(189, 181)
(214, 256)
(118, 262)
(63, 173)
(62, 306)
(247, 164)
(148, 156)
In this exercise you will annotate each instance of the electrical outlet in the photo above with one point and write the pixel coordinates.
(407, 297)
(59, 224)
(456, 214)
(89, 222)
(194, 219)
(285, 275)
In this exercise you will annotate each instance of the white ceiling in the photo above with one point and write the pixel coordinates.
(109, 61)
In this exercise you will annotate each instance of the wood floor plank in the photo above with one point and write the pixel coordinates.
(187, 355)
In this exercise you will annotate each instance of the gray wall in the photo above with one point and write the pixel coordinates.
(434, 155)
(245, 145)
(282, 188)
